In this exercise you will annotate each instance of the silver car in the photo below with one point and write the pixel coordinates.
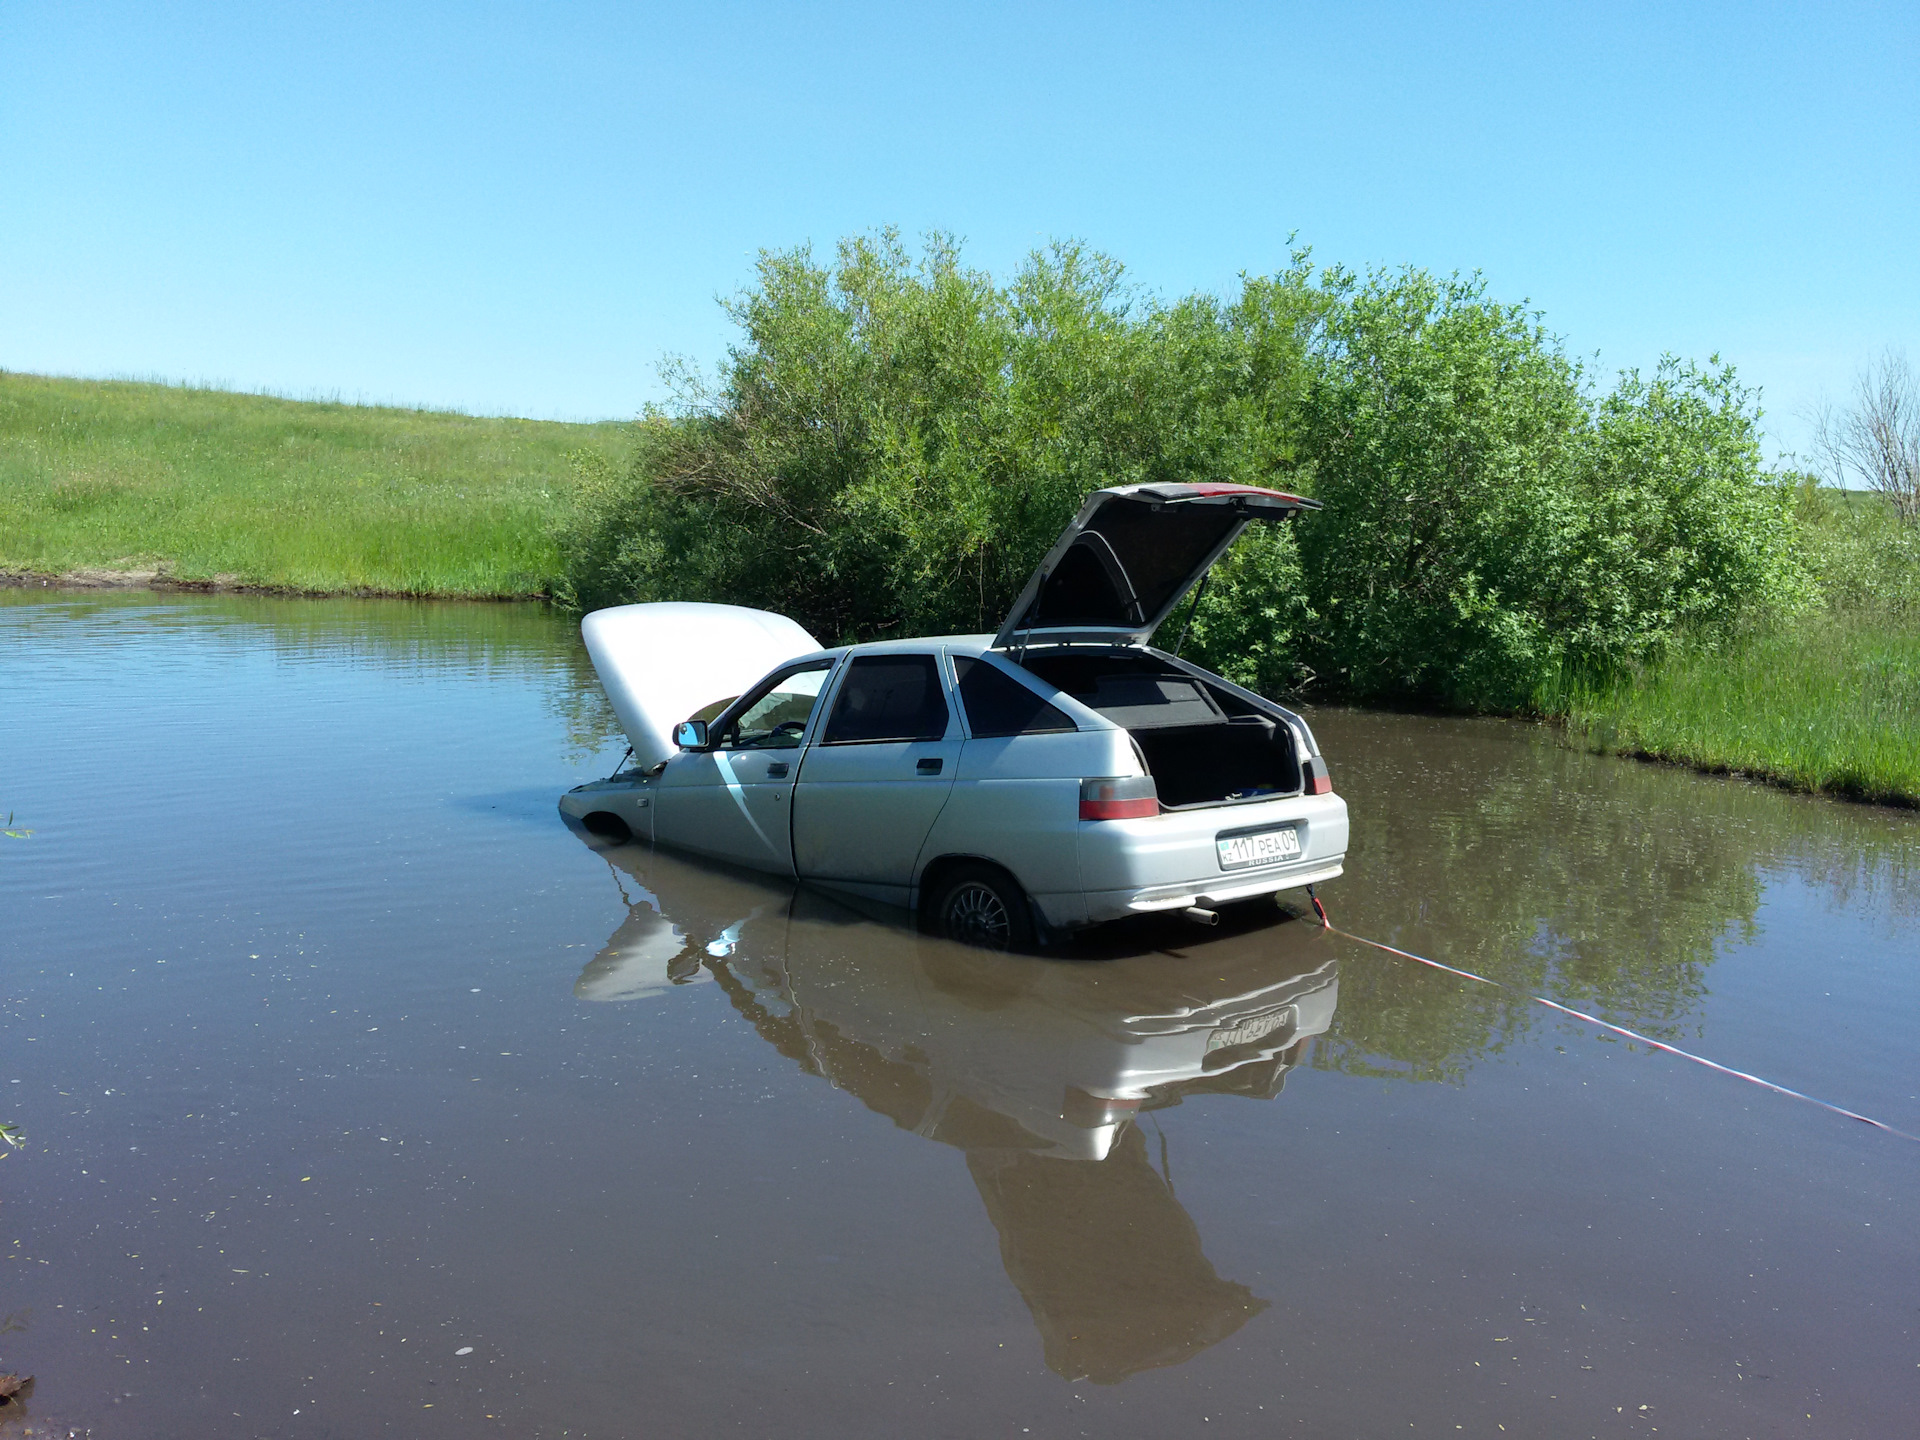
(1059, 774)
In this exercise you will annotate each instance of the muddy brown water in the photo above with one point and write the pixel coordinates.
(364, 1097)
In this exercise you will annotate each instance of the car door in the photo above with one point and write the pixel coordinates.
(733, 800)
(877, 774)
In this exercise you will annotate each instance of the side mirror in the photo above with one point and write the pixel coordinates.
(691, 734)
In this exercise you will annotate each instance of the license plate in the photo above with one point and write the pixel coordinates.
(1262, 847)
(1254, 1028)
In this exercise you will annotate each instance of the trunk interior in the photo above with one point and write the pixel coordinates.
(1203, 745)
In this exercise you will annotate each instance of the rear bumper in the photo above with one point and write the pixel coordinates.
(1114, 904)
(1170, 861)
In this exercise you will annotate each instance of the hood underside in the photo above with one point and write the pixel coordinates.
(661, 664)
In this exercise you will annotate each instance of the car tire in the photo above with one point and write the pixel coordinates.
(983, 906)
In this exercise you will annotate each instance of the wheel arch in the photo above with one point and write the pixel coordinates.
(608, 825)
(935, 871)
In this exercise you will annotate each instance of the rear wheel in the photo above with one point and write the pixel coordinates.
(984, 906)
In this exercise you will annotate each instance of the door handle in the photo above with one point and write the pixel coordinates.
(777, 770)
(929, 766)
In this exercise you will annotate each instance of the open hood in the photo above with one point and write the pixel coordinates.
(660, 664)
(1129, 557)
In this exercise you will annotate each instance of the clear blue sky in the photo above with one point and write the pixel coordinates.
(520, 208)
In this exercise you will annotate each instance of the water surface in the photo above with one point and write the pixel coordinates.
(365, 1097)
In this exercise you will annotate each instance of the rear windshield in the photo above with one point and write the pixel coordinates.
(1130, 563)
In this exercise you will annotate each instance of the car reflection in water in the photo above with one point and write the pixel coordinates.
(1038, 1070)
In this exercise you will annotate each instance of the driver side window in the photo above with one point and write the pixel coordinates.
(774, 716)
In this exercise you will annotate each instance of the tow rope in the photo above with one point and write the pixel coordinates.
(1620, 1030)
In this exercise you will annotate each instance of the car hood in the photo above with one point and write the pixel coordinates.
(660, 664)
(1130, 555)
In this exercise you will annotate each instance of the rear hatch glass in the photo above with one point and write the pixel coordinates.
(1128, 557)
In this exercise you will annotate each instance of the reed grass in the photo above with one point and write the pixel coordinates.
(209, 486)
(1828, 703)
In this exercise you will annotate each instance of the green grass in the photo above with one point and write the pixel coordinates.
(1830, 703)
(205, 485)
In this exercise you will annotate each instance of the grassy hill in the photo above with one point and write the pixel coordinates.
(209, 486)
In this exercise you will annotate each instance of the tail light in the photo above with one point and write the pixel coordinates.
(1319, 779)
(1090, 1112)
(1129, 797)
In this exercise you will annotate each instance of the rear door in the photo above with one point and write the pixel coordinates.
(877, 774)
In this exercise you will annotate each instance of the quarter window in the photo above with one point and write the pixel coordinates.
(997, 704)
(888, 697)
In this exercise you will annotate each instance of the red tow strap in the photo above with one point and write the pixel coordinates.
(1620, 1030)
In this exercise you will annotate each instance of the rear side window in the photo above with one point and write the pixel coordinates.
(888, 697)
(997, 704)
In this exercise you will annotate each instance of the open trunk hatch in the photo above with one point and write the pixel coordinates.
(1118, 570)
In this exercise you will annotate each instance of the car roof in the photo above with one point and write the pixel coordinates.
(969, 644)
(959, 644)
(919, 645)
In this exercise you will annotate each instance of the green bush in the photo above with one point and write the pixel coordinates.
(1439, 428)
(894, 442)
(1488, 523)
(1865, 560)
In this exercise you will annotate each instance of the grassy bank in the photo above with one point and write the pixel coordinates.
(1831, 703)
(204, 485)
(1827, 700)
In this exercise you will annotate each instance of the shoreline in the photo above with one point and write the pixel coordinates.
(90, 578)
(1895, 801)
(99, 578)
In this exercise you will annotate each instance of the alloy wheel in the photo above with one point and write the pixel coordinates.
(978, 916)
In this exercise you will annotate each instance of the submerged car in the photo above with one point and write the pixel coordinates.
(1056, 775)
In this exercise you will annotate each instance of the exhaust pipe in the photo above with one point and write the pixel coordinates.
(1201, 916)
